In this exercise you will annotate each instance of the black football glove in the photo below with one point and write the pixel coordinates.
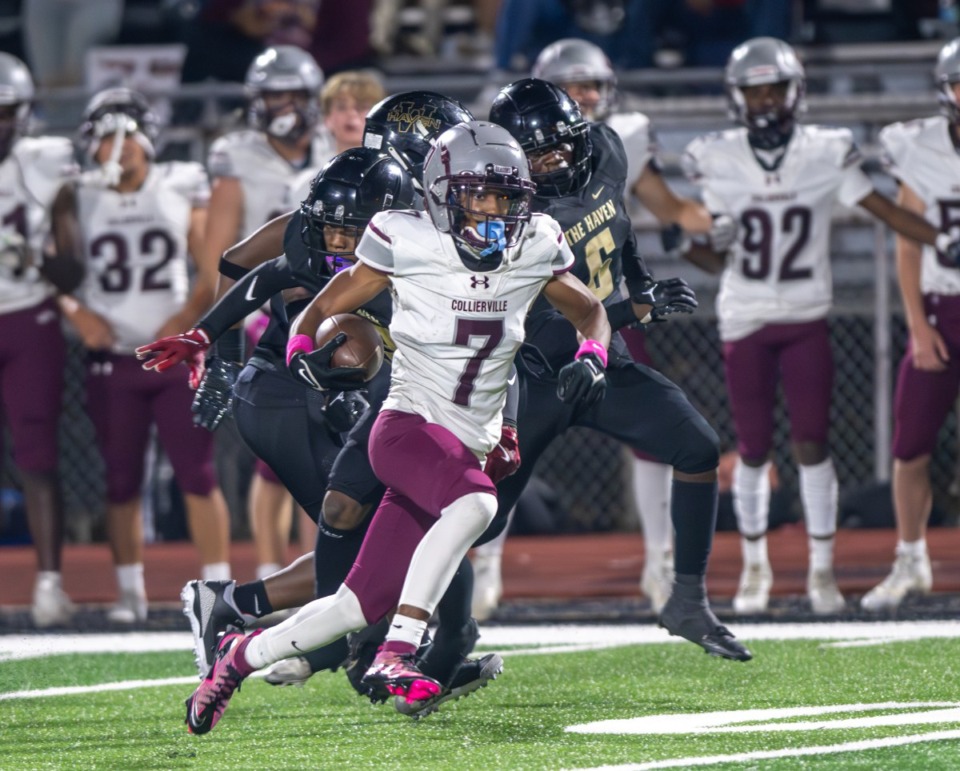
(671, 295)
(582, 381)
(344, 409)
(215, 393)
(314, 368)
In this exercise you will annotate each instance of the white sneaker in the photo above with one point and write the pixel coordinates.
(295, 671)
(909, 574)
(51, 606)
(130, 609)
(656, 582)
(487, 585)
(822, 591)
(753, 593)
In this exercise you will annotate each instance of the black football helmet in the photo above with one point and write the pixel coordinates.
(116, 109)
(541, 116)
(346, 193)
(404, 126)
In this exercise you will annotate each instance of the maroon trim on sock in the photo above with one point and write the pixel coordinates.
(240, 663)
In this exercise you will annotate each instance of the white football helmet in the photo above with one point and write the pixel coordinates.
(16, 94)
(572, 60)
(283, 68)
(757, 62)
(947, 72)
(473, 157)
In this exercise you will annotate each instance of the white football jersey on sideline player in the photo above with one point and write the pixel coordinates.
(135, 248)
(441, 306)
(920, 153)
(634, 131)
(778, 271)
(30, 177)
(271, 185)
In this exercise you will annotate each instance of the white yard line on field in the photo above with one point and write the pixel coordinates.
(539, 639)
(746, 757)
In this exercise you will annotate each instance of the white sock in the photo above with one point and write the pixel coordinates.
(49, 579)
(818, 492)
(130, 579)
(652, 487)
(215, 571)
(754, 550)
(751, 497)
(916, 549)
(406, 629)
(314, 625)
(821, 553)
(267, 569)
(439, 553)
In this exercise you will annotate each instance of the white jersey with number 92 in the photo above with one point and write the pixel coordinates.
(778, 271)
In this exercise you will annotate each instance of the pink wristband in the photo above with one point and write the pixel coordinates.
(298, 343)
(592, 346)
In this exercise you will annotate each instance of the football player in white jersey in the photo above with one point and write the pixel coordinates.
(464, 275)
(256, 175)
(134, 224)
(584, 72)
(923, 156)
(31, 171)
(780, 180)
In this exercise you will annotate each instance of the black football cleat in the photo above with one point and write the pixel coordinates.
(210, 608)
(694, 621)
(470, 676)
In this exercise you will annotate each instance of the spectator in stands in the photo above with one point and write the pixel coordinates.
(631, 31)
(32, 350)
(227, 35)
(341, 36)
(58, 33)
(922, 155)
(134, 223)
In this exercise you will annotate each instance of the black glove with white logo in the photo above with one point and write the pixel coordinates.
(582, 381)
(671, 295)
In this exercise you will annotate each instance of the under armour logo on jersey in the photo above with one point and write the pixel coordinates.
(773, 179)
(480, 281)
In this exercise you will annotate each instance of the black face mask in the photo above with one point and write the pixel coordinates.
(775, 134)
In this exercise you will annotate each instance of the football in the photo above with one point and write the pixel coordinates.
(363, 349)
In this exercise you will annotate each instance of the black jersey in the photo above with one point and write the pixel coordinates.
(600, 235)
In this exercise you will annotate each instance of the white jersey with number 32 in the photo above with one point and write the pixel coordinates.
(778, 271)
(921, 154)
(457, 330)
(135, 248)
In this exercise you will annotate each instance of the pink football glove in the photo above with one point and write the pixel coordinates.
(167, 352)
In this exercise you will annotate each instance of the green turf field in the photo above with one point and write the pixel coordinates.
(895, 694)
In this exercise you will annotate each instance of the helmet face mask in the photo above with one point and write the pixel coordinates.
(478, 189)
(283, 86)
(543, 119)
(947, 74)
(765, 61)
(404, 126)
(118, 112)
(16, 100)
(575, 65)
(344, 195)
